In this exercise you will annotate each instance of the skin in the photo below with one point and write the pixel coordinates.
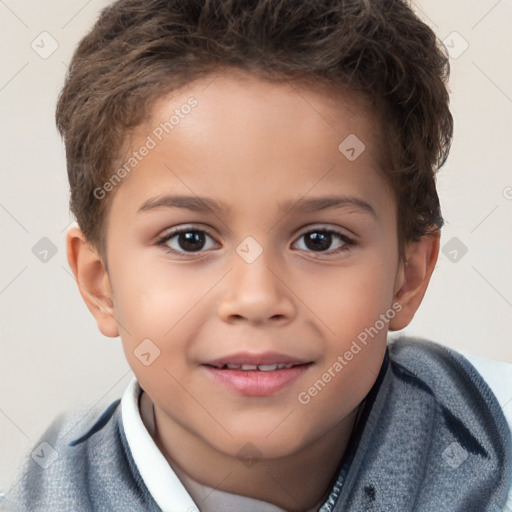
(251, 145)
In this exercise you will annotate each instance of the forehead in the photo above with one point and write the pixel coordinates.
(246, 137)
(255, 106)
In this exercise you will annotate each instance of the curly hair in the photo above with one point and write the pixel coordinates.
(140, 50)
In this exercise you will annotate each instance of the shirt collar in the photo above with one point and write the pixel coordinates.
(160, 479)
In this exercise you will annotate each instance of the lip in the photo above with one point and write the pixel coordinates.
(256, 383)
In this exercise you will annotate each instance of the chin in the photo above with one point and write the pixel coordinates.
(258, 444)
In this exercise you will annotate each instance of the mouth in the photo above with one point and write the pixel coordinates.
(254, 367)
(248, 361)
(256, 375)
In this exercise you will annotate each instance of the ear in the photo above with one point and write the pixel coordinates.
(93, 281)
(413, 277)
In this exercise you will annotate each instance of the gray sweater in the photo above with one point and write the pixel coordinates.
(431, 437)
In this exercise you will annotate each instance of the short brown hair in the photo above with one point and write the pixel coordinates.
(139, 50)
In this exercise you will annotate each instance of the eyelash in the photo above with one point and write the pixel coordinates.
(347, 241)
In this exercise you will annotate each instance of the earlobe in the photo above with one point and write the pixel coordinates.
(93, 281)
(413, 278)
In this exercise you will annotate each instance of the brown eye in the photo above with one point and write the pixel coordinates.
(191, 240)
(187, 240)
(318, 241)
(323, 240)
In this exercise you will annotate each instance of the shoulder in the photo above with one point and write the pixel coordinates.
(80, 465)
(442, 368)
(498, 376)
(473, 393)
(59, 461)
(477, 383)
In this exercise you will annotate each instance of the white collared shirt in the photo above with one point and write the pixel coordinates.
(161, 481)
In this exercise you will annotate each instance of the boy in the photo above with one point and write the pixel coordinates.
(254, 184)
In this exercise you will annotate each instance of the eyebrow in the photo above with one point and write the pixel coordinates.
(323, 203)
(193, 203)
(208, 205)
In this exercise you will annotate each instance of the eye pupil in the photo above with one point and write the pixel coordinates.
(191, 240)
(318, 241)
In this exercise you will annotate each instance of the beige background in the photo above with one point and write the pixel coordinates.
(52, 355)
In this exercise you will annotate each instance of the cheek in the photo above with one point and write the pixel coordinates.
(160, 308)
(152, 295)
(350, 366)
(348, 300)
(355, 307)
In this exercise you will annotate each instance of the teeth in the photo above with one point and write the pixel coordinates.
(249, 367)
(259, 367)
(267, 367)
(253, 367)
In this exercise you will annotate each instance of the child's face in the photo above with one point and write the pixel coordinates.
(300, 258)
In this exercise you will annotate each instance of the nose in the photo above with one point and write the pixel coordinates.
(255, 293)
